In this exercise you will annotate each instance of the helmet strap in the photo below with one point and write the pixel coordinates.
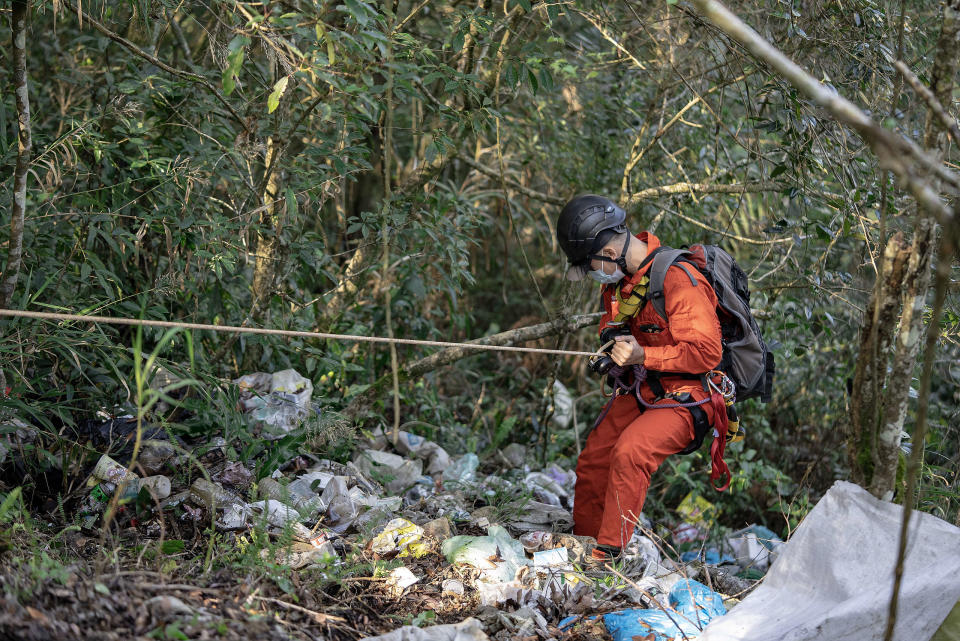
(622, 260)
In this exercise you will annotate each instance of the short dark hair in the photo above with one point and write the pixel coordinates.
(603, 238)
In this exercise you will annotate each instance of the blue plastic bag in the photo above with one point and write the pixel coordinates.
(693, 605)
(710, 556)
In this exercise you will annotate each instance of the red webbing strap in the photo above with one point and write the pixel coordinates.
(719, 470)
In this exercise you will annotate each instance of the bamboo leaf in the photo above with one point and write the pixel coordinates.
(273, 100)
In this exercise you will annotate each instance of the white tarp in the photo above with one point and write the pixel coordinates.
(833, 579)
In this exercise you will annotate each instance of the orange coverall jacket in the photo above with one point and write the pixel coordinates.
(623, 451)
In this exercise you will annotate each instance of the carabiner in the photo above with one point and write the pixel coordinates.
(727, 388)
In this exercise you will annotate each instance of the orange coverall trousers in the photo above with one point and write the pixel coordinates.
(620, 455)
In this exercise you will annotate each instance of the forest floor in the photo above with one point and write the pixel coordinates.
(402, 533)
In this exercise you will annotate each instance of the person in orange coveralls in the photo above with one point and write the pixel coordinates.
(630, 442)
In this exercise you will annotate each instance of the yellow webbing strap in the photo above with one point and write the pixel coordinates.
(628, 308)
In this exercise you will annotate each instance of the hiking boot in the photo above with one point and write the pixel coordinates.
(601, 555)
(578, 547)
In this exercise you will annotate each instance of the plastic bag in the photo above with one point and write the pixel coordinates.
(436, 458)
(342, 511)
(463, 470)
(284, 408)
(466, 630)
(562, 405)
(401, 536)
(692, 606)
(397, 473)
(478, 551)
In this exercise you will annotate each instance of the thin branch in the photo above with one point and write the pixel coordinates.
(291, 137)
(699, 188)
(178, 34)
(893, 151)
(609, 38)
(359, 405)
(635, 158)
(319, 617)
(387, 196)
(410, 15)
(725, 234)
(526, 191)
(920, 431)
(506, 200)
(944, 68)
(681, 188)
(134, 49)
(949, 122)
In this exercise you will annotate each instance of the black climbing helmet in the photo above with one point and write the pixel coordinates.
(581, 227)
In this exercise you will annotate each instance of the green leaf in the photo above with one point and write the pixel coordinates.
(8, 502)
(234, 64)
(457, 43)
(553, 11)
(510, 75)
(779, 169)
(546, 79)
(229, 83)
(323, 36)
(237, 44)
(273, 100)
(357, 11)
(172, 631)
(532, 79)
(173, 546)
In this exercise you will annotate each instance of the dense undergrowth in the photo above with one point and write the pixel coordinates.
(149, 197)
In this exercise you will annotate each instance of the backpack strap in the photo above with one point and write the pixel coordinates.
(658, 273)
(627, 289)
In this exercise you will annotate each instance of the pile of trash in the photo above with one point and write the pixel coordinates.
(488, 542)
(493, 535)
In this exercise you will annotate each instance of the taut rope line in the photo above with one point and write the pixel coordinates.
(108, 320)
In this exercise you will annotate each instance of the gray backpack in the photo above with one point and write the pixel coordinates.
(746, 358)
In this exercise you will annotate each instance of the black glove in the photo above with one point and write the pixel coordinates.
(600, 365)
(612, 331)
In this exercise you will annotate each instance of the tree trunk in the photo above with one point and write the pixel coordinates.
(870, 376)
(896, 395)
(268, 233)
(881, 475)
(944, 69)
(11, 273)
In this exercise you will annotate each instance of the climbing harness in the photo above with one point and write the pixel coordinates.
(722, 390)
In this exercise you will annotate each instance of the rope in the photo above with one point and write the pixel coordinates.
(720, 476)
(107, 320)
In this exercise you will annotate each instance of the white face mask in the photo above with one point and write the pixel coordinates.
(604, 278)
(609, 279)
